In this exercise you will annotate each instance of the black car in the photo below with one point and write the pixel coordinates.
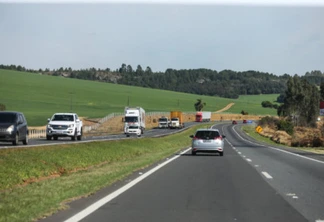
(13, 127)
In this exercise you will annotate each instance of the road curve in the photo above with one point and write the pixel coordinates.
(251, 182)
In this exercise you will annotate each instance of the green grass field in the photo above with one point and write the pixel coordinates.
(98, 164)
(40, 96)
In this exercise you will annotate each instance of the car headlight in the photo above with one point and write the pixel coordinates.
(49, 126)
(10, 128)
(71, 125)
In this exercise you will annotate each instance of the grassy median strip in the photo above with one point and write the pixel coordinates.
(35, 182)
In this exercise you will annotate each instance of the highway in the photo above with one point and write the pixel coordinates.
(67, 140)
(251, 182)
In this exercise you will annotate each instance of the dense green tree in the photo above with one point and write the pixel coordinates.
(129, 69)
(199, 105)
(123, 68)
(322, 91)
(139, 70)
(301, 102)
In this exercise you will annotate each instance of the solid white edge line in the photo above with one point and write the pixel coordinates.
(284, 151)
(93, 207)
(249, 160)
(268, 176)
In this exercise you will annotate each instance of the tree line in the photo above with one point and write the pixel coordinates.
(225, 83)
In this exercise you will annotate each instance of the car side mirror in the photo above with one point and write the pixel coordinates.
(191, 136)
(77, 121)
(48, 119)
(223, 136)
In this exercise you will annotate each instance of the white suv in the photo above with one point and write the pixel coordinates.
(64, 125)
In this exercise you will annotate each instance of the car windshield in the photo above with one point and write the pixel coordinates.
(63, 118)
(132, 119)
(163, 119)
(208, 134)
(8, 117)
(174, 119)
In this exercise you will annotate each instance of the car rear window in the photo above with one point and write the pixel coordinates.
(8, 117)
(207, 134)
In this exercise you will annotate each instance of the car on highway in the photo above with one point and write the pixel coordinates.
(13, 127)
(234, 122)
(244, 121)
(64, 125)
(207, 141)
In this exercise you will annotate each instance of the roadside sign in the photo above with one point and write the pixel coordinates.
(258, 129)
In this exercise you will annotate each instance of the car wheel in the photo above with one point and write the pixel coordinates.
(74, 137)
(48, 137)
(25, 141)
(221, 154)
(193, 153)
(127, 135)
(80, 136)
(16, 141)
(55, 137)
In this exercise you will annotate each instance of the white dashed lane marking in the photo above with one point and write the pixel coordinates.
(268, 176)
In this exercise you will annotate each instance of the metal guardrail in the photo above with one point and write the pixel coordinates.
(36, 134)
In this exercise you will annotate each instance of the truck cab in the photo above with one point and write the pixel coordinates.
(163, 122)
(134, 121)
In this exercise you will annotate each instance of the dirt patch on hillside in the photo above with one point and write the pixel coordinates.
(225, 108)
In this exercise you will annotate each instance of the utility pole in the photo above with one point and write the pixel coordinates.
(71, 100)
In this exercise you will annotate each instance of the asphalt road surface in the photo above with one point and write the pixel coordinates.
(251, 182)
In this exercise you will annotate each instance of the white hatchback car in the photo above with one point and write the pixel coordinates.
(207, 141)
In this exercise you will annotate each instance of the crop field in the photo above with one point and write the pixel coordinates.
(39, 96)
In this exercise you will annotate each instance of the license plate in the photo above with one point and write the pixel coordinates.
(207, 141)
(59, 132)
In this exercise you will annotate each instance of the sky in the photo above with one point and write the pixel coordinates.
(275, 36)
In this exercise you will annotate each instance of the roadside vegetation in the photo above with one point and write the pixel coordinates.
(38, 181)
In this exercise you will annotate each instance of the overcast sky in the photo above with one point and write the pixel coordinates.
(275, 39)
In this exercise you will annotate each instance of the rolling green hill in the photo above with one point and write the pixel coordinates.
(39, 96)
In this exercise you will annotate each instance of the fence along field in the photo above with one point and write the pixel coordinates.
(39, 96)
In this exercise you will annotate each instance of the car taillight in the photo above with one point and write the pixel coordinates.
(218, 138)
(196, 138)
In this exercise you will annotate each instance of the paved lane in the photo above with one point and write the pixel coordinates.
(295, 176)
(200, 188)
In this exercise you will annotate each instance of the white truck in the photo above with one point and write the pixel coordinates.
(164, 122)
(64, 125)
(203, 116)
(134, 121)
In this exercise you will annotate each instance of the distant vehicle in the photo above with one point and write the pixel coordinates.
(13, 127)
(203, 116)
(244, 121)
(234, 122)
(163, 122)
(64, 125)
(176, 120)
(207, 141)
(134, 121)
